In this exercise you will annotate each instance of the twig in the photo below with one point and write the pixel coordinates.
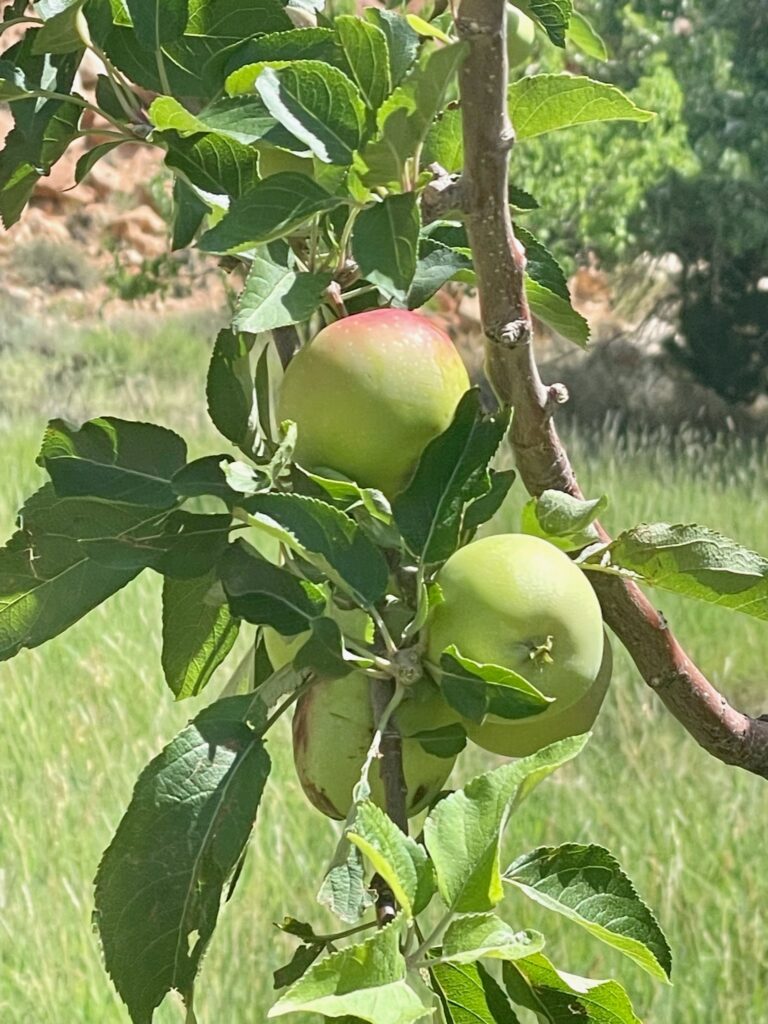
(542, 461)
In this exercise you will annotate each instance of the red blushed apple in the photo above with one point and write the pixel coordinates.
(370, 392)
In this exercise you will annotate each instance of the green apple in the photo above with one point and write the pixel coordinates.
(526, 736)
(332, 731)
(521, 35)
(370, 392)
(518, 601)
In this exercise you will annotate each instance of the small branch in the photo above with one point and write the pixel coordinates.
(542, 461)
(383, 696)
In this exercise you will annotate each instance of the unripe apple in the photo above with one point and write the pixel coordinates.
(370, 392)
(521, 35)
(332, 731)
(518, 601)
(527, 735)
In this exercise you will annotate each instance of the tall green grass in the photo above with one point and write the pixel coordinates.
(82, 715)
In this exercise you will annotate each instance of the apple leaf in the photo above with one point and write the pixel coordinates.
(113, 459)
(398, 858)
(404, 119)
(324, 535)
(230, 21)
(198, 634)
(385, 241)
(317, 104)
(541, 265)
(444, 143)
(244, 119)
(161, 880)
(347, 494)
(557, 312)
(436, 265)
(47, 579)
(447, 741)
(549, 103)
(60, 32)
(367, 53)
(213, 163)
(452, 471)
(344, 889)
(693, 561)
(586, 885)
(555, 996)
(403, 42)
(582, 33)
(323, 653)
(276, 293)
(298, 965)
(366, 981)
(321, 44)
(272, 208)
(475, 690)
(204, 476)
(482, 509)
(230, 390)
(189, 211)
(554, 17)
(265, 594)
(463, 833)
(470, 937)
(470, 995)
(563, 520)
(158, 22)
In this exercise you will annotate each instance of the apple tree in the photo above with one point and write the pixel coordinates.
(342, 169)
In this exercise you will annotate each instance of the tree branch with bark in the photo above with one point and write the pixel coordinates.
(729, 735)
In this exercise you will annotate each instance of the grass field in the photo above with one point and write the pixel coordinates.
(82, 715)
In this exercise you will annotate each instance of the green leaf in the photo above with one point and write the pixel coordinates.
(447, 741)
(694, 561)
(554, 17)
(300, 962)
(548, 103)
(319, 44)
(198, 634)
(213, 163)
(476, 690)
(230, 389)
(558, 997)
(188, 214)
(563, 520)
(444, 143)
(452, 471)
(205, 476)
(470, 937)
(463, 833)
(317, 104)
(233, 20)
(60, 33)
(385, 240)
(482, 509)
(402, 41)
(347, 494)
(437, 264)
(47, 579)
(582, 33)
(119, 460)
(344, 889)
(270, 210)
(158, 22)
(267, 595)
(325, 535)
(91, 157)
(405, 118)
(276, 293)
(182, 544)
(557, 312)
(367, 53)
(366, 981)
(400, 861)
(323, 653)
(161, 880)
(470, 995)
(541, 265)
(242, 118)
(586, 885)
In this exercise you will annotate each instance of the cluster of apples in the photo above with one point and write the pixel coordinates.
(368, 394)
